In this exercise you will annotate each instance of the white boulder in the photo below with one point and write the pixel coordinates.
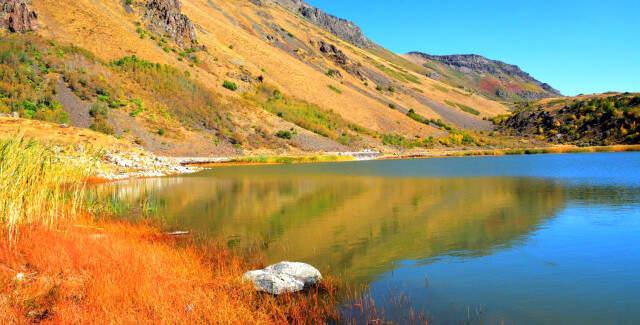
(284, 277)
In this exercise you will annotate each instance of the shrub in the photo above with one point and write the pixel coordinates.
(400, 141)
(284, 134)
(230, 85)
(99, 111)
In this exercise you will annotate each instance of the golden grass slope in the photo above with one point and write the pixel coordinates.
(234, 34)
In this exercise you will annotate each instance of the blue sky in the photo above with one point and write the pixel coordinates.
(576, 46)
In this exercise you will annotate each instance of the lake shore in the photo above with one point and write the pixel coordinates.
(63, 259)
(434, 153)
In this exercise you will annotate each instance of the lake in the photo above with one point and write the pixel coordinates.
(542, 239)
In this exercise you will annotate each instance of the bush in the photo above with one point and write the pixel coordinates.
(284, 134)
(230, 85)
(99, 111)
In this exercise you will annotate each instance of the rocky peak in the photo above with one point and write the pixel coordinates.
(342, 28)
(17, 16)
(166, 17)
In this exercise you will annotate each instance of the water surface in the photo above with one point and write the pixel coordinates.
(516, 239)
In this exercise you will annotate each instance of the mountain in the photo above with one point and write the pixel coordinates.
(494, 79)
(225, 78)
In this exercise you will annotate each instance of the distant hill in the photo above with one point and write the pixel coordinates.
(603, 119)
(491, 78)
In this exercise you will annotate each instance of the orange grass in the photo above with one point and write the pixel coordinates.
(123, 274)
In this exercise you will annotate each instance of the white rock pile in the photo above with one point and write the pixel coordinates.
(136, 166)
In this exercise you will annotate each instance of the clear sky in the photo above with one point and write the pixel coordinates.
(577, 46)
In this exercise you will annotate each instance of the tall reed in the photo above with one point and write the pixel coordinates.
(36, 186)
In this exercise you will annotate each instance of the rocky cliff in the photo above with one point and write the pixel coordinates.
(17, 16)
(165, 17)
(340, 27)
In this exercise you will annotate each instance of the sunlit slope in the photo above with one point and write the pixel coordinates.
(246, 43)
(490, 78)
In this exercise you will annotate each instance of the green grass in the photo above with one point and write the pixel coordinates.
(35, 186)
(441, 88)
(463, 93)
(397, 140)
(463, 107)
(437, 122)
(398, 75)
(335, 89)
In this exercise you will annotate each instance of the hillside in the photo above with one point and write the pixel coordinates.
(216, 78)
(491, 78)
(592, 120)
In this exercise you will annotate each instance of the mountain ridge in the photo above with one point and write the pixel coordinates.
(340, 27)
(508, 81)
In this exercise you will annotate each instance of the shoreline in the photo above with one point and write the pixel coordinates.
(147, 165)
(438, 153)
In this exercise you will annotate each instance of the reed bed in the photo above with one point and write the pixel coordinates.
(36, 186)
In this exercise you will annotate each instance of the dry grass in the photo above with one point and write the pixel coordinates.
(35, 186)
(63, 268)
(123, 274)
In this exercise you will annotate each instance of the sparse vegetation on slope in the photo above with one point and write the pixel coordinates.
(477, 74)
(309, 116)
(599, 120)
(463, 107)
(25, 85)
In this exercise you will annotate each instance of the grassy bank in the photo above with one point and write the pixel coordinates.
(61, 264)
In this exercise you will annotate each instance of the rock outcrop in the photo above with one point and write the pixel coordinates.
(336, 55)
(284, 277)
(166, 17)
(17, 16)
(342, 28)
